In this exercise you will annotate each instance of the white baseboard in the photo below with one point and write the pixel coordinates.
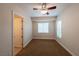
(66, 48)
(42, 38)
(26, 43)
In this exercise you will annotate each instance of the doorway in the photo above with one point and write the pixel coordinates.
(17, 34)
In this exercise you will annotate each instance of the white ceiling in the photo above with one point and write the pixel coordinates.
(28, 7)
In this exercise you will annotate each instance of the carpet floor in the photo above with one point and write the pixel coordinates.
(38, 47)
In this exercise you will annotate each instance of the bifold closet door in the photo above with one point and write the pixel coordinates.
(17, 33)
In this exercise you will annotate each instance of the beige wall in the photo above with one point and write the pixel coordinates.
(49, 35)
(70, 29)
(6, 27)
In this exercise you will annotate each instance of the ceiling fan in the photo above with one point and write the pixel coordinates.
(44, 8)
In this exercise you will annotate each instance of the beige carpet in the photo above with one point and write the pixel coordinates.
(43, 47)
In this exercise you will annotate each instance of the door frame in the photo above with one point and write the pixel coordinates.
(13, 15)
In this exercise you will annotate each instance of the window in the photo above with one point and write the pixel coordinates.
(59, 29)
(43, 27)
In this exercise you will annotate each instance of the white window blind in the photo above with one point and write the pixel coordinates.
(59, 34)
(43, 27)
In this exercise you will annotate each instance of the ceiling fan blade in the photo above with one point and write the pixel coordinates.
(47, 13)
(35, 8)
(54, 7)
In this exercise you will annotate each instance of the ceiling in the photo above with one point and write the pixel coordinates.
(28, 7)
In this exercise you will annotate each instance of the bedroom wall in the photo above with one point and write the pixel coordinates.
(50, 20)
(6, 27)
(70, 29)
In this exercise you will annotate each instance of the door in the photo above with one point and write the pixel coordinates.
(17, 34)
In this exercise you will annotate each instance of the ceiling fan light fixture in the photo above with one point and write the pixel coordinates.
(44, 11)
